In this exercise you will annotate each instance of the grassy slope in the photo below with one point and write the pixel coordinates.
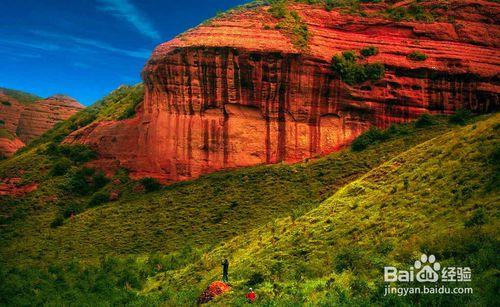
(335, 253)
(201, 213)
(300, 258)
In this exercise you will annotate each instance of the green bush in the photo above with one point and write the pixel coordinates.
(369, 51)
(69, 208)
(351, 72)
(58, 221)
(424, 120)
(99, 180)
(60, 167)
(461, 117)
(99, 198)
(150, 184)
(2, 122)
(78, 153)
(417, 56)
(278, 8)
(374, 71)
(412, 12)
(255, 279)
(348, 258)
(372, 136)
(290, 23)
(80, 181)
(6, 103)
(478, 218)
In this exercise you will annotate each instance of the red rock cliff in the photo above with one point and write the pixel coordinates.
(237, 92)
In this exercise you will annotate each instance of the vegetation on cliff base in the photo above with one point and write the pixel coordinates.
(352, 72)
(303, 255)
(433, 199)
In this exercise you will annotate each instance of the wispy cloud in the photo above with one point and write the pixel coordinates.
(86, 42)
(126, 10)
(45, 46)
(15, 54)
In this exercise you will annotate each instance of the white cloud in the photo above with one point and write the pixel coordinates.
(126, 10)
(86, 42)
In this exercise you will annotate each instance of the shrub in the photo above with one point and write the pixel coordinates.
(58, 221)
(478, 218)
(372, 136)
(2, 122)
(150, 184)
(347, 259)
(6, 103)
(369, 51)
(78, 153)
(69, 208)
(461, 117)
(99, 180)
(374, 71)
(80, 181)
(417, 56)
(255, 279)
(424, 120)
(413, 12)
(290, 23)
(98, 199)
(61, 167)
(278, 9)
(351, 72)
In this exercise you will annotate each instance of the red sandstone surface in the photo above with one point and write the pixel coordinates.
(13, 186)
(236, 92)
(9, 146)
(28, 121)
(214, 289)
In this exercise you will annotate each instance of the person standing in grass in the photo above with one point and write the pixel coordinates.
(225, 268)
(250, 295)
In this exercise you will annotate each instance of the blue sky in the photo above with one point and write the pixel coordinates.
(87, 48)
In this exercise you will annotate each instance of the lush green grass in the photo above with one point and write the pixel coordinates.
(440, 197)
(202, 212)
(181, 220)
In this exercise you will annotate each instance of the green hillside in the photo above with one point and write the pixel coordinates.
(280, 225)
(439, 197)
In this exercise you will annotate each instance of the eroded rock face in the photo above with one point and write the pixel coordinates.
(237, 92)
(28, 121)
(8, 146)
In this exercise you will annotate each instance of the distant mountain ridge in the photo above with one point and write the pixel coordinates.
(24, 116)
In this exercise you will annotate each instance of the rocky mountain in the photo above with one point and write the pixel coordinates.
(258, 84)
(23, 120)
